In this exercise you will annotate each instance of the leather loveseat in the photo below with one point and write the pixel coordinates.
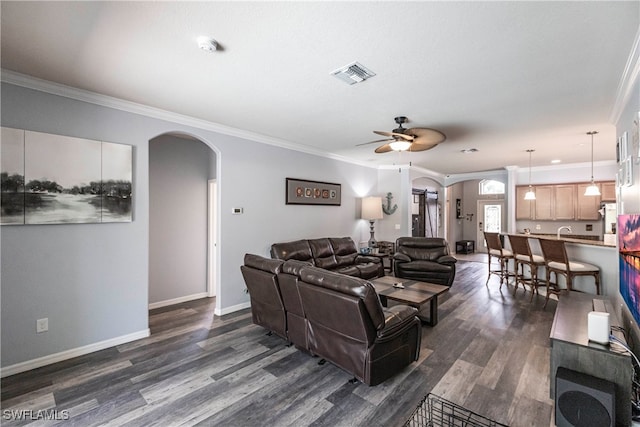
(425, 259)
(337, 254)
(334, 316)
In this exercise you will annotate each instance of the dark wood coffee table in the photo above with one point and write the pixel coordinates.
(415, 294)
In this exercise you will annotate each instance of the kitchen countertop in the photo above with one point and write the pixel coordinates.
(567, 239)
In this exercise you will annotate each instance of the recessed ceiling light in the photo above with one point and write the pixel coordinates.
(556, 161)
(207, 44)
(469, 150)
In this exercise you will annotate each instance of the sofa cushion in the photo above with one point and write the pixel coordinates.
(264, 264)
(369, 270)
(421, 248)
(350, 286)
(349, 270)
(298, 249)
(322, 252)
(425, 266)
(344, 250)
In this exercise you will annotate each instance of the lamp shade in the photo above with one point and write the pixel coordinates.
(372, 208)
(592, 190)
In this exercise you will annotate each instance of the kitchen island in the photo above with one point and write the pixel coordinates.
(594, 252)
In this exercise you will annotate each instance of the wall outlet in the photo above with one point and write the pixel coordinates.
(538, 227)
(397, 226)
(42, 325)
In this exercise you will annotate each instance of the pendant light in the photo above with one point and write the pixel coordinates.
(592, 189)
(530, 195)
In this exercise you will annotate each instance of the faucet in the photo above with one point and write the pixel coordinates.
(568, 227)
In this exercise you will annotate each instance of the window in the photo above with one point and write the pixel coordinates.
(488, 186)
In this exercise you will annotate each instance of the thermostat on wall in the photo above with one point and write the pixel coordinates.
(237, 211)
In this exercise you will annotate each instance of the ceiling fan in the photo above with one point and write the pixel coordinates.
(412, 139)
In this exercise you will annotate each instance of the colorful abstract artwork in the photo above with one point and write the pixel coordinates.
(629, 247)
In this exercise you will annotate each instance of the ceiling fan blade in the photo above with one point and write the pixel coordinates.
(394, 134)
(426, 136)
(383, 149)
(421, 147)
(378, 140)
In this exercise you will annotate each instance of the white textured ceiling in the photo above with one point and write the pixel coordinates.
(501, 77)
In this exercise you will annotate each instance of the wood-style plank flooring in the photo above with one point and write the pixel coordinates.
(488, 353)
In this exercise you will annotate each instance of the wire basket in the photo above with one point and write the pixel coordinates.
(436, 411)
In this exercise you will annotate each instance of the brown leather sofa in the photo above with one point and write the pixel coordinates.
(337, 254)
(267, 307)
(336, 317)
(425, 259)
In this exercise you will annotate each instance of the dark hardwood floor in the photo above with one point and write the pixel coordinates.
(488, 353)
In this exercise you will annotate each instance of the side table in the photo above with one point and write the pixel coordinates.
(465, 246)
(382, 257)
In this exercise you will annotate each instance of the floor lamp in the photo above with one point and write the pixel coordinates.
(372, 210)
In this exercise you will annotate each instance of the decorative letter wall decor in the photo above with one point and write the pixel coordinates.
(53, 179)
(304, 192)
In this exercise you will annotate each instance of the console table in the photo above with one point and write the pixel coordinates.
(571, 348)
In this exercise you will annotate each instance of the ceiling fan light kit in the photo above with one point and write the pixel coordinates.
(403, 139)
(400, 145)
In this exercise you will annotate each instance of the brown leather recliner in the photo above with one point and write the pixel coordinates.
(333, 316)
(337, 254)
(425, 259)
(349, 327)
(297, 329)
(267, 307)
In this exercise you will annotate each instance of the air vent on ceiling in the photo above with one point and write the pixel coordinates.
(353, 73)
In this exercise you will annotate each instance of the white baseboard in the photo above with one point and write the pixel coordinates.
(68, 354)
(178, 300)
(232, 309)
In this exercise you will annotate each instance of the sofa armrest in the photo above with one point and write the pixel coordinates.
(447, 259)
(363, 259)
(398, 257)
(396, 320)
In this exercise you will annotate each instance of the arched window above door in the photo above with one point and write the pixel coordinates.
(489, 186)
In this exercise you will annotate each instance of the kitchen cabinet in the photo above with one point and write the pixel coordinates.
(562, 202)
(543, 206)
(587, 205)
(564, 199)
(608, 190)
(524, 208)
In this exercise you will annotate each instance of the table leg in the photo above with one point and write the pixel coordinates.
(432, 320)
(433, 311)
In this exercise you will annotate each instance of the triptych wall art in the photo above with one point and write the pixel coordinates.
(54, 179)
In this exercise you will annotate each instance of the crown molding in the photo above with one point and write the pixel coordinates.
(627, 82)
(30, 82)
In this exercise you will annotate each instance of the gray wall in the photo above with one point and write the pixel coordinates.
(92, 280)
(179, 169)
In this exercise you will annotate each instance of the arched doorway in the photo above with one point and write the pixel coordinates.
(427, 207)
(181, 170)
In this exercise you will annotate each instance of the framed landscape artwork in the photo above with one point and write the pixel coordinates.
(53, 179)
(305, 192)
(629, 261)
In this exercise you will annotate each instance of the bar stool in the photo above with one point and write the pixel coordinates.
(523, 256)
(495, 249)
(557, 262)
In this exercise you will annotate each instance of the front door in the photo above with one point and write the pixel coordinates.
(491, 219)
